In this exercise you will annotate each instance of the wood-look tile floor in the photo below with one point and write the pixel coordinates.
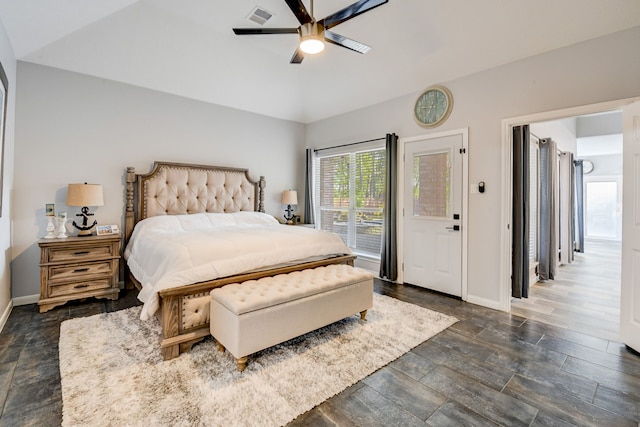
(491, 368)
(583, 297)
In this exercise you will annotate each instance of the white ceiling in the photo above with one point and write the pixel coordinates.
(187, 47)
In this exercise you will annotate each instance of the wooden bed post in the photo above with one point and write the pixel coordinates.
(261, 186)
(129, 220)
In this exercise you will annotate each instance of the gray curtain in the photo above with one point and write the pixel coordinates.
(548, 248)
(579, 219)
(572, 221)
(520, 212)
(389, 252)
(309, 216)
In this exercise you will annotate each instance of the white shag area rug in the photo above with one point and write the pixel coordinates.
(112, 372)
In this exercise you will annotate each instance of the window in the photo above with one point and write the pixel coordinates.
(603, 219)
(349, 196)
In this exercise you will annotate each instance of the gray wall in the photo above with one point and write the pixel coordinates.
(599, 70)
(8, 60)
(76, 128)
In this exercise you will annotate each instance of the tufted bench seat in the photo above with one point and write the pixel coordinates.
(251, 316)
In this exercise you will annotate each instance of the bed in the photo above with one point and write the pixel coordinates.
(178, 195)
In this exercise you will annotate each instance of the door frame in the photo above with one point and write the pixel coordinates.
(464, 132)
(507, 176)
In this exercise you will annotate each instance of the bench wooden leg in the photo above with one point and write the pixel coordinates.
(221, 347)
(242, 363)
(363, 314)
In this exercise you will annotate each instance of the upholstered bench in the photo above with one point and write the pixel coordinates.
(250, 316)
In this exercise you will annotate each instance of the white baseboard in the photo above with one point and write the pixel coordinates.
(485, 302)
(5, 315)
(372, 266)
(29, 299)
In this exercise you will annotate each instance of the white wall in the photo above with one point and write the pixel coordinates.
(563, 132)
(76, 128)
(8, 60)
(599, 70)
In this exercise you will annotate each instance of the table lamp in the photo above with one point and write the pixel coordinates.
(84, 195)
(289, 197)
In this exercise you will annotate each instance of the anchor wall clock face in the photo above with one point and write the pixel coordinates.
(433, 106)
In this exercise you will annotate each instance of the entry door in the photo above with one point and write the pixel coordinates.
(630, 291)
(432, 214)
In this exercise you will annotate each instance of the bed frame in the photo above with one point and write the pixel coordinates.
(179, 188)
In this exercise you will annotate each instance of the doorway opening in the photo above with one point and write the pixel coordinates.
(581, 291)
(507, 176)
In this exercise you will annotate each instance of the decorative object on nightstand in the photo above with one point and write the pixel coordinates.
(433, 106)
(289, 197)
(78, 267)
(50, 214)
(85, 195)
(62, 225)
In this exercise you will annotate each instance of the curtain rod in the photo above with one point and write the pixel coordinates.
(315, 150)
(543, 140)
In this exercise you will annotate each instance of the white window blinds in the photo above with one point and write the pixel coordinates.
(349, 192)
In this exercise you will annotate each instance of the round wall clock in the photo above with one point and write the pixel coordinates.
(433, 106)
(587, 166)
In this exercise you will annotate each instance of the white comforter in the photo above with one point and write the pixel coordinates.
(170, 251)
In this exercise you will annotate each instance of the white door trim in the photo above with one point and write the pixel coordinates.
(465, 196)
(507, 126)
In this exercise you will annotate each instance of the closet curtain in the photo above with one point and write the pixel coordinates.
(388, 250)
(567, 209)
(579, 220)
(548, 247)
(520, 213)
(309, 215)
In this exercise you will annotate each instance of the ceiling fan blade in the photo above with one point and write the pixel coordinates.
(349, 12)
(345, 42)
(253, 31)
(297, 57)
(298, 9)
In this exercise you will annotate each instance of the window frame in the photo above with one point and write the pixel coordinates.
(352, 150)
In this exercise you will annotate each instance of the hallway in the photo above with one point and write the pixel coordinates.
(584, 297)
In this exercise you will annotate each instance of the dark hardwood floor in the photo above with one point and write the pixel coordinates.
(490, 368)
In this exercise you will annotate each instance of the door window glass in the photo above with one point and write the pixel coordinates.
(431, 185)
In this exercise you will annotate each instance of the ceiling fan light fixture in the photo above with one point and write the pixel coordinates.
(311, 38)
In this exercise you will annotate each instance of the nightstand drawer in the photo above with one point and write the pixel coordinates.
(74, 288)
(66, 273)
(80, 253)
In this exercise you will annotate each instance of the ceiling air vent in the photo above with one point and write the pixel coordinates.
(259, 15)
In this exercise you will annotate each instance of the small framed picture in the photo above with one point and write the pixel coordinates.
(102, 230)
(49, 209)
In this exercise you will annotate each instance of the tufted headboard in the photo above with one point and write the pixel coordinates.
(178, 188)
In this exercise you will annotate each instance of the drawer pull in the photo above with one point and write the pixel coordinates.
(84, 285)
(80, 270)
(81, 253)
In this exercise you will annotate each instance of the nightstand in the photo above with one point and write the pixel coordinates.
(78, 267)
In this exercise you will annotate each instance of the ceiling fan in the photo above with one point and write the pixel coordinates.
(314, 33)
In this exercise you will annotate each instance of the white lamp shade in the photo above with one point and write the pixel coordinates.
(85, 195)
(289, 197)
